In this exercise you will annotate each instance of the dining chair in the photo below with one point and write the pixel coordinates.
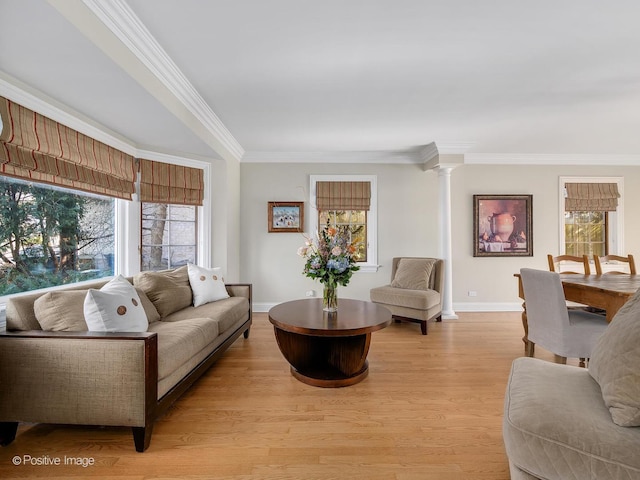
(562, 331)
(577, 263)
(615, 258)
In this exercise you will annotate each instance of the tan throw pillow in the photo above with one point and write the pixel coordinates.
(61, 311)
(615, 364)
(169, 291)
(149, 307)
(413, 273)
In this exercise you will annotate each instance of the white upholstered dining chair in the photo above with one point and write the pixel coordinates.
(564, 332)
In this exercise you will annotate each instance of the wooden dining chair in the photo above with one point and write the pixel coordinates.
(576, 262)
(615, 258)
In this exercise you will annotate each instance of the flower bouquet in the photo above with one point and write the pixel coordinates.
(330, 258)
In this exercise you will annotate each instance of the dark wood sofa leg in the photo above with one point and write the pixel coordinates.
(246, 333)
(8, 432)
(423, 327)
(142, 437)
(439, 318)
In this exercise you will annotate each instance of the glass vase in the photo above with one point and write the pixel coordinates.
(330, 298)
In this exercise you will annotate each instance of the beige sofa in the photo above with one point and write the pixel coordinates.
(415, 291)
(563, 422)
(117, 379)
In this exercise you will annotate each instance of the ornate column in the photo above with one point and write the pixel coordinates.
(444, 178)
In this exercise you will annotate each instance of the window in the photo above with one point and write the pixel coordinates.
(360, 218)
(53, 236)
(169, 235)
(592, 215)
(586, 233)
(353, 221)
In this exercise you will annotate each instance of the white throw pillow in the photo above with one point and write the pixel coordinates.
(116, 307)
(207, 284)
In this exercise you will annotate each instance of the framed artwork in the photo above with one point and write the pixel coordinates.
(286, 217)
(502, 226)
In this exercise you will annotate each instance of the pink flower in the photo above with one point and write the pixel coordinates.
(302, 251)
(336, 251)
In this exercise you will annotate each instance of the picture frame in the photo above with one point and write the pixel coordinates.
(502, 226)
(285, 217)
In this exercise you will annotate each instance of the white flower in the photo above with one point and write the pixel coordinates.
(302, 251)
(336, 251)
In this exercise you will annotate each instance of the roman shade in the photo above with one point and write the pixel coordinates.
(343, 195)
(36, 148)
(168, 183)
(591, 197)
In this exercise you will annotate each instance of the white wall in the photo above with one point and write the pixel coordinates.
(492, 277)
(407, 225)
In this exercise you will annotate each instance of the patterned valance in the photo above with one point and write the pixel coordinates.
(343, 195)
(169, 183)
(36, 148)
(591, 197)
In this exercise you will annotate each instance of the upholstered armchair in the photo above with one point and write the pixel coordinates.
(415, 291)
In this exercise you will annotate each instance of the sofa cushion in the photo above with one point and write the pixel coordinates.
(207, 284)
(226, 312)
(556, 425)
(116, 307)
(169, 291)
(179, 341)
(417, 299)
(413, 273)
(61, 311)
(615, 364)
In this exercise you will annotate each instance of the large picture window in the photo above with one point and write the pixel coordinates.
(52, 236)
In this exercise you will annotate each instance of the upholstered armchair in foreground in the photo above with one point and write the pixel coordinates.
(415, 291)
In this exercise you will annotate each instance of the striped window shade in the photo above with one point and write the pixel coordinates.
(168, 183)
(591, 197)
(36, 148)
(343, 195)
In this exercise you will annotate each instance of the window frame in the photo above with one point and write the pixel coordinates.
(615, 221)
(371, 265)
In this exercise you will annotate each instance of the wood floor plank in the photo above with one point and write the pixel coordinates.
(431, 408)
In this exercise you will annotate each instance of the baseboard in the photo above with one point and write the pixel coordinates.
(458, 307)
(487, 307)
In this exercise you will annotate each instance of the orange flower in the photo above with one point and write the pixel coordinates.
(331, 231)
(352, 249)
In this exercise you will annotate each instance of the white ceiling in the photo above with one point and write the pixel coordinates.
(293, 79)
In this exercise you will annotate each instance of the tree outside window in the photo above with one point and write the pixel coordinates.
(52, 236)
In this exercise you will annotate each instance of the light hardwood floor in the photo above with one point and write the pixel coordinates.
(431, 408)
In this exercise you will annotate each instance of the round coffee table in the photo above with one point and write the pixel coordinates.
(327, 349)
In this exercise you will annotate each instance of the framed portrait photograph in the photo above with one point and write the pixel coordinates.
(502, 226)
(286, 217)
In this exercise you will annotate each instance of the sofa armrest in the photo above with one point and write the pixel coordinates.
(90, 378)
(240, 290)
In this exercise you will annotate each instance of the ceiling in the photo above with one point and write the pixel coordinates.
(296, 80)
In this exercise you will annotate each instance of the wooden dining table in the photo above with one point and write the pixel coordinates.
(607, 292)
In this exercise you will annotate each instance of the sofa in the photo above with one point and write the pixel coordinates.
(414, 293)
(563, 422)
(54, 369)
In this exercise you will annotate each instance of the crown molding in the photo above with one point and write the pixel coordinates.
(380, 157)
(550, 159)
(120, 19)
(454, 148)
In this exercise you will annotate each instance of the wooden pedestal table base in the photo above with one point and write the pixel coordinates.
(327, 349)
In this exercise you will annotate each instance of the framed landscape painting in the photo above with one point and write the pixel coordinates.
(286, 217)
(502, 226)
